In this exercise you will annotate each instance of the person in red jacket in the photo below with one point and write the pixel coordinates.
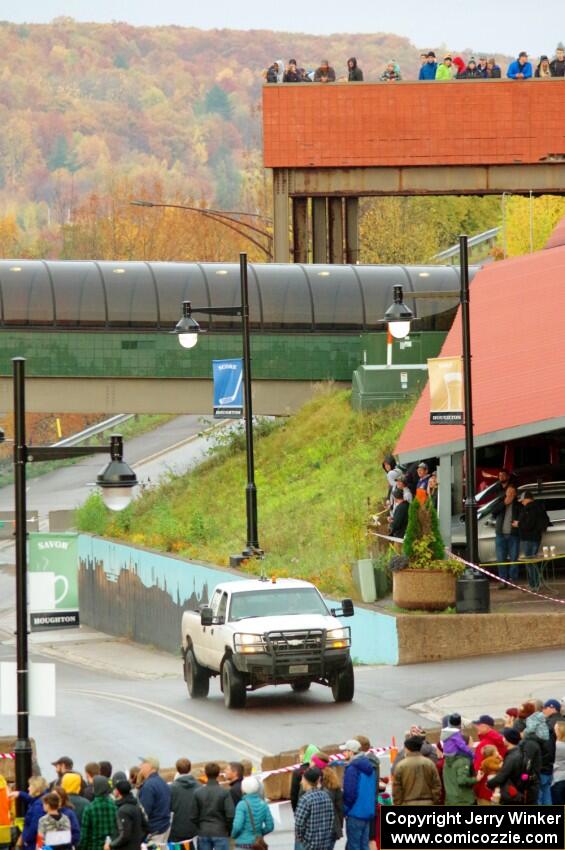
(490, 765)
(487, 735)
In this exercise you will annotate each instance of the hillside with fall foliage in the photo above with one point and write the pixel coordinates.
(94, 115)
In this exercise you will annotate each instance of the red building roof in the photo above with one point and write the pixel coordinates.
(518, 349)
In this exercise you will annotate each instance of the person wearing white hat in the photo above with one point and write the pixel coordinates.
(253, 818)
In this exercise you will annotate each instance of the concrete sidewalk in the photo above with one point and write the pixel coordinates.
(494, 697)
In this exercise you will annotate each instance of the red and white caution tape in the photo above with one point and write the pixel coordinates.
(7, 756)
(336, 757)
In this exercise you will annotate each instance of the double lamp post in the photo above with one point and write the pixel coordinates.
(398, 318)
(188, 331)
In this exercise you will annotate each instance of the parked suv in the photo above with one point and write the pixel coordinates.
(551, 494)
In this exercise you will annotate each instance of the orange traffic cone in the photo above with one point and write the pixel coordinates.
(393, 752)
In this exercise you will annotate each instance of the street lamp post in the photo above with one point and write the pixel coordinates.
(398, 317)
(187, 331)
(230, 219)
(116, 481)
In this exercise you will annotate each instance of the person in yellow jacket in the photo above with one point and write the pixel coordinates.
(445, 69)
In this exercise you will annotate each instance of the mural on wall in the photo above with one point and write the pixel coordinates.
(138, 594)
(141, 595)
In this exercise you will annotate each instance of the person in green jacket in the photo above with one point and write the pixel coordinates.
(99, 818)
(445, 69)
(459, 781)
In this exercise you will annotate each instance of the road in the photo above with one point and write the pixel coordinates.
(121, 714)
(173, 447)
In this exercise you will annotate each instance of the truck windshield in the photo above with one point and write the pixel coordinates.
(273, 603)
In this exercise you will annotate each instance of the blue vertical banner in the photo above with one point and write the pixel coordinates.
(228, 388)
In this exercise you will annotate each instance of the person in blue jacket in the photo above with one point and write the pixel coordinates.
(33, 800)
(67, 809)
(359, 796)
(520, 69)
(253, 817)
(429, 68)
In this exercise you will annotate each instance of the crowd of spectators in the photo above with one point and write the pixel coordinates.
(518, 761)
(449, 68)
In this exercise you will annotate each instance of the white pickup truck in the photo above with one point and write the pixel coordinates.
(261, 632)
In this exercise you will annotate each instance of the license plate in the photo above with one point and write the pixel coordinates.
(298, 668)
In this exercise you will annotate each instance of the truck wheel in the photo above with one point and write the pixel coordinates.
(343, 685)
(300, 687)
(233, 685)
(197, 678)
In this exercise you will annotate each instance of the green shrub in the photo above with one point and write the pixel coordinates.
(93, 515)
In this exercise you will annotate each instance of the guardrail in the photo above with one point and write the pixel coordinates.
(95, 429)
(479, 239)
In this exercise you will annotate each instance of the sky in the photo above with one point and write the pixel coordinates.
(504, 26)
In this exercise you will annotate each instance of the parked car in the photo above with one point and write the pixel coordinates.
(551, 494)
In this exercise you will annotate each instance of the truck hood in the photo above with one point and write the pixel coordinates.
(285, 623)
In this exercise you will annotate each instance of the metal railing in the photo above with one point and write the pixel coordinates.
(473, 242)
(94, 429)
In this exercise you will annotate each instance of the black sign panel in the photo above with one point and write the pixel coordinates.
(54, 620)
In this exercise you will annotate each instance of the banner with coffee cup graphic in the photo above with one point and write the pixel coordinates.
(446, 390)
(53, 581)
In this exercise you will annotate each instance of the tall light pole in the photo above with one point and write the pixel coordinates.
(471, 531)
(188, 331)
(116, 481)
(230, 219)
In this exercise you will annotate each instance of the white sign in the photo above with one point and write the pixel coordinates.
(41, 689)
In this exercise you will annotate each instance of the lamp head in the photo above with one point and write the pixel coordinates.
(399, 315)
(117, 479)
(187, 328)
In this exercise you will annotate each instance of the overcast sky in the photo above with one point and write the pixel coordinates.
(507, 26)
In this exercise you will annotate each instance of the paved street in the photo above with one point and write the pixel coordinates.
(172, 447)
(119, 701)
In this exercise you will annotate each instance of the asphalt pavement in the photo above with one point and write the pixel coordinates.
(120, 701)
(172, 447)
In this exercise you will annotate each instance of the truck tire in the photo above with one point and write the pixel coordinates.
(343, 685)
(233, 686)
(197, 678)
(301, 686)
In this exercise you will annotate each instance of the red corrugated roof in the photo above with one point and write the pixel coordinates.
(518, 348)
(557, 238)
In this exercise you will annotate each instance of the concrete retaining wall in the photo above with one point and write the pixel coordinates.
(439, 637)
(141, 594)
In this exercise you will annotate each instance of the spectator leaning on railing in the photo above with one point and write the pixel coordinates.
(558, 64)
(450, 68)
(354, 72)
(520, 69)
(428, 71)
(325, 73)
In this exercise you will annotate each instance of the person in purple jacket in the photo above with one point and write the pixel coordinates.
(451, 738)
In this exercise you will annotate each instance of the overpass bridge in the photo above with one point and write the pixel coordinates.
(330, 144)
(96, 333)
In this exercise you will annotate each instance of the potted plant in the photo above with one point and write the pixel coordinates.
(422, 577)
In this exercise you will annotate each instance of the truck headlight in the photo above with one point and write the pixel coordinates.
(337, 639)
(247, 644)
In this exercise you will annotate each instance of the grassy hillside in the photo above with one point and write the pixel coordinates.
(317, 475)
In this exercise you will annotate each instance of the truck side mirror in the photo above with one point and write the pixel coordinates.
(347, 609)
(206, 617)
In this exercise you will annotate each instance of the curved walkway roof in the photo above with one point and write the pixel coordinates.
(139, 295)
